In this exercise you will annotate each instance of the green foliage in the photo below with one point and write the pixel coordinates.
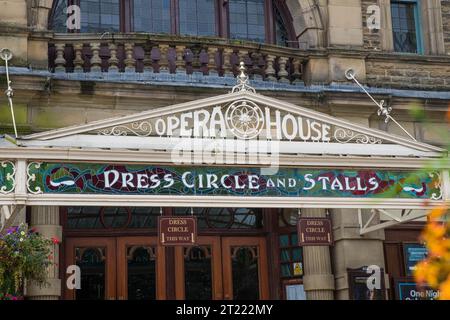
(24, 254)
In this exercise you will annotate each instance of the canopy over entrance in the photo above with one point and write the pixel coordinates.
(236, 149)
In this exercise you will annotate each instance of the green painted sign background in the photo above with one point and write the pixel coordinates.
(6, 177)
(70, 178)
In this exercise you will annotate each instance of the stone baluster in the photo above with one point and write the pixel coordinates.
(60, 62)
(212, 67)
(282, 72)
(164, 59)
(227, 67)
(297, 74)
(96, 61)
(78, 60)
(113, 61)
(148, 61)
(256, 70)
(130, 61)
(196, 62)
(180, 63)
(270, 70)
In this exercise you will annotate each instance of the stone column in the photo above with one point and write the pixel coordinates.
(318, 278)
(351, 250)
(45, 220)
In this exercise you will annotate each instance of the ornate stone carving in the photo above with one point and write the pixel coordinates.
(346, 135)
(140, 129)
(245, 119)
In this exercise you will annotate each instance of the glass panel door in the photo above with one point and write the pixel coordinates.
(140, 269)
(198, 273)
(245, 268)
(97, 262)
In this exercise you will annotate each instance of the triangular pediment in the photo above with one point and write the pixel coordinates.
(238, 116)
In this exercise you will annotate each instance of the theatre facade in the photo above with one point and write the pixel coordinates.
(103, 188)
(280, 164)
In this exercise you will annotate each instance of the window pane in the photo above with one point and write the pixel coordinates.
(284, 240)
(404, 26)
(151, 16)
(58, 23)
(282, 38)
(83, 218)
(142, 217)
(112, 217)
(245, 274)
(286, 271)
(92, 265)
(197, 17)
(141, 273)
(247, 20)
(198, 273)
(100, 15)
(224, 218)
(285, 255)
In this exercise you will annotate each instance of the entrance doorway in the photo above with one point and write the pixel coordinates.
(121, 268)
(230, 268)
(119, 256)
(117, 268)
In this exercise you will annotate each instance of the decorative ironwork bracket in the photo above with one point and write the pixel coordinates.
(6, 55)
(383, 110)
(397, 218)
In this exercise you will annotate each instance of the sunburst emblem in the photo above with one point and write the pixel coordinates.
(245, 119)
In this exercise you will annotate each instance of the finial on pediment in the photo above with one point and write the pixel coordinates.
(242, 80)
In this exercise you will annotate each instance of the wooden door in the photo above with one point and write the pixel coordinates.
(245, 275)
(222, 268)
(198, 270)
(96, 258)
(140, 269)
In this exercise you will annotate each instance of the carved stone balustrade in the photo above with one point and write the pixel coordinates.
(182, 56)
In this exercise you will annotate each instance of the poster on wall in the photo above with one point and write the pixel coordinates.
(359, 288)
(413, 253)
(407, 289)
(295, 292)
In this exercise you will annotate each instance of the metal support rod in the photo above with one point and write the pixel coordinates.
(6, 55)
(382, 109)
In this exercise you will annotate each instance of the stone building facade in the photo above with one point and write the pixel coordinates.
(63, 79)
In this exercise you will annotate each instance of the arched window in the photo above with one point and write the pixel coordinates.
(264, 21)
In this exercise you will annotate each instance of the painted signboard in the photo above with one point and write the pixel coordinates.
(177, 231)
(314, 232)
(97, 178)
(406, 289)
(413, 253)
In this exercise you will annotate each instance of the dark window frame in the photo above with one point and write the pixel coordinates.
(222, 19)
(415, 4)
